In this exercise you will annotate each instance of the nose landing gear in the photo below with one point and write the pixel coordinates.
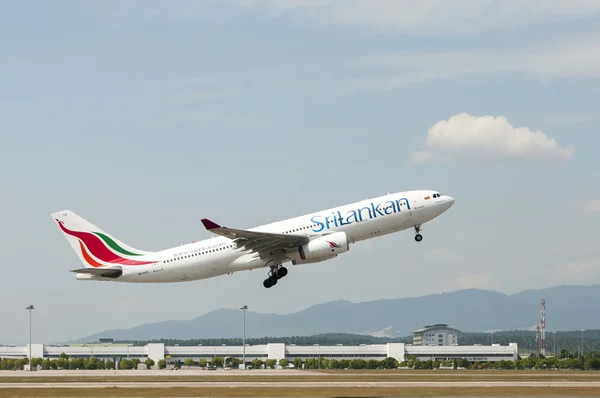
(277, 272)
(418, 236)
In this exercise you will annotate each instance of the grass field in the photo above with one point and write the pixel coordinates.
(311, 392)
(476, 376)
(309, 384)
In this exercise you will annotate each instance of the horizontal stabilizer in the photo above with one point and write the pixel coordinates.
(113, 272)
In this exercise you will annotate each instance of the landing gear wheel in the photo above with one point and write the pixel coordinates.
(418, 236)
(270, 281)
(281, 272)
(277, 272)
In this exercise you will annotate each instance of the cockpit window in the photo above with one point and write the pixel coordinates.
(436, 195)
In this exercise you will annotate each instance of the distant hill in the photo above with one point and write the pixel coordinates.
(472, 310)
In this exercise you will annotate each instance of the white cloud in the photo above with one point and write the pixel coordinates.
(488, 136)
(573, 57)
(426, 16)
(590, 206)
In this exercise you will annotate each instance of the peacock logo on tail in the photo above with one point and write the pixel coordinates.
(100, 250)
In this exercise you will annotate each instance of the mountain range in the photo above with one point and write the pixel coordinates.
(471, 310)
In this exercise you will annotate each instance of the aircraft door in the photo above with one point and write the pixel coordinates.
(157, 267)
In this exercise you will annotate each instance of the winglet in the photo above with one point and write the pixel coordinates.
(209, 224)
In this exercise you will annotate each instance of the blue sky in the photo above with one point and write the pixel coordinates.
(145, 117)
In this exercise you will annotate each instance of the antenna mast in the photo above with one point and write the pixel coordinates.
(541, 328)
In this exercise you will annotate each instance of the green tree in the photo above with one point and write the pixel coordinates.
(12, 364)
(125, 364)
(235, 363)
(563, 353)
(35, 362)
(202, 362)
(591, 363)
(149, 363)
(89, 363)
(297, 363)
(257, 364)
(284, 363)
(310, 363)
(358, 364)
(216, 361)
(389, 363)
(62, 363)
(189, 362)
(45, 364)
(270, 363)
(135, 362)
(162, 364)
(335, 364)
(76, 363)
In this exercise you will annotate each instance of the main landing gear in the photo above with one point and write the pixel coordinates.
(418, 236)
(276, 273)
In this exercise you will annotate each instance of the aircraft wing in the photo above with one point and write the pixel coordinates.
(259, 242)
(112, 272)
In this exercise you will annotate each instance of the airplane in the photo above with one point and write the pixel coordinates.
(306, 239)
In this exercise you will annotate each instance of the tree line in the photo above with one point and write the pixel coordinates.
(63, 362)
(309, 363)
(564, 360)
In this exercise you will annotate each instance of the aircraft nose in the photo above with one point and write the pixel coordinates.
(447, 203)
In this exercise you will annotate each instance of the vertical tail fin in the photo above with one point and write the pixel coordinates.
(95, 247)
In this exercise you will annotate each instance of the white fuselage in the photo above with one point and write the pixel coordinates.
(361, 220)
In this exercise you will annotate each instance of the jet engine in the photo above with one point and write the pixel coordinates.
(323, 248)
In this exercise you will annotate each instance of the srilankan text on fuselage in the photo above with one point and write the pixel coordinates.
(340, 218)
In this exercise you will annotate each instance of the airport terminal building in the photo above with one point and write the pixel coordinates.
(437, 335)
(277, 351)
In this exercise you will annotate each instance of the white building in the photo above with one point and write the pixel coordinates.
(276, 351)
(435, 335)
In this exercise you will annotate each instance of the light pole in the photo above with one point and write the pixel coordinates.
(555, 352)
(582, 344)
(29, 308)
(244, 308)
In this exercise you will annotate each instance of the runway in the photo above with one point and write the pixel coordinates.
(296, 374)
(299, 385)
